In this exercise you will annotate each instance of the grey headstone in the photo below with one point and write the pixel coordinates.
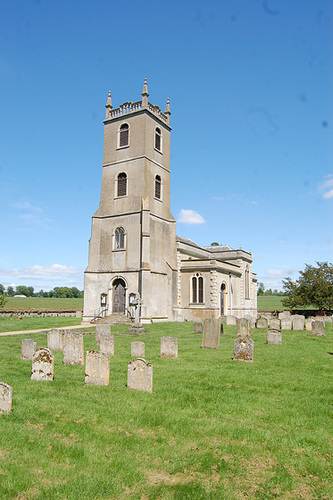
(137, 349)
(318, 328)
(198, 327)
(231, 320)
(275, 323)
(78, 314)
(284, 315)
(169, 347)
(140, 375)
(211, 334)
(97, 371)
(101, 330)
(274, 336)
(42, 365)
(243, 328)
(308, 323)
(73, 348)
(298, 322)
(262, 323)
(243, 349)
(28, 349)
(286, 324)
(54, 340)
(223, 319)
(6, 396)
(106, 344)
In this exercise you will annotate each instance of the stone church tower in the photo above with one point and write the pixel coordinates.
(133, 240)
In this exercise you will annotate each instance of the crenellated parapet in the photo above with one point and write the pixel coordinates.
(130, 107)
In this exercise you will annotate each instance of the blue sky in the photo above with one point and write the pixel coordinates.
(250, 88)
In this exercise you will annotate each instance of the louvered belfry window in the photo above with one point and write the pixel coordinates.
(124, 135)
(122, 184)
(158, 187)
(158, 139)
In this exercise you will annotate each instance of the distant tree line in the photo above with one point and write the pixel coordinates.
(261, 291)
(58, 292)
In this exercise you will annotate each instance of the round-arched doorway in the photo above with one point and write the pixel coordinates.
(118, 296)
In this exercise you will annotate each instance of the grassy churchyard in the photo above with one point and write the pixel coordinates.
(213, 428)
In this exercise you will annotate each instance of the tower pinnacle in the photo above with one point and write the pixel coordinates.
(108, 105)
(145, 94)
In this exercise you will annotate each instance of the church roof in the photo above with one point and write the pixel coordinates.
(187, 241)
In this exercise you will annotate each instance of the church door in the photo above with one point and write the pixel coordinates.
(119, 294)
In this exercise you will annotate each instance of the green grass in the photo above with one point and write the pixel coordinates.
(43, 302)
(212, 429)
(16, 324)
(270, 303)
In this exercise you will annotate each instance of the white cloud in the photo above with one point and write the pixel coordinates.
(327, 187)
(190, 217)
(25, 206)
(273, 272)
(32, 214)
(46, 277)
(254, 202)
(42, 271)
(224, 198)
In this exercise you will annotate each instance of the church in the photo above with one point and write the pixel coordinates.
(138, 266)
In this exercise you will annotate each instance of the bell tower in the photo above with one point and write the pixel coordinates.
(133, 243)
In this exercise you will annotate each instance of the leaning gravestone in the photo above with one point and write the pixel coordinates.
(211, 334)
(243, 349)
(274, 336)
(42, 365)
(140, 375)
(243, 326)
(286, 324)
(54, 340)
(28, 349)
(169, 347)
(73, 348)
(275, 324)
(101, 330)
(106, 344)
(198, 327)
(231, 320)
(97, 369)
(137, 349)
(262, 323)
(6, 395)
(318, 329)
(298, 322)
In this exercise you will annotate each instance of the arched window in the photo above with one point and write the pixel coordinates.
(158, 139)
(122, 184)
(158, 185)
(119, 238)
(123, 135)
(197, 289)
(247, 283)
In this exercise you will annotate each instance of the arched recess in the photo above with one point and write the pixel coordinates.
(118, 293)
(223, 299)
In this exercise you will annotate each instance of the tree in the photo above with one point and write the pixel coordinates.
(2, 289)
(261, 289)
(10, 291)
(3, 299)
(313, 287)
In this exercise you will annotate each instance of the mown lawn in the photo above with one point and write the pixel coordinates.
(43, 303)
(16, 324)
(212, 429)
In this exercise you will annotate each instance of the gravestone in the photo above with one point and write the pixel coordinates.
(97, 369)
(73, 348)
(231, 320)
(78, 314)
(274, 336)
(223, 319)
(298, 322)
(169, 347)
(284, 315)
(54, 340)
(286, 324)
(252, 321)
(137, 349)
(308, 323)
(275, 324)
(198, 327)
(243, 326)
(42, 365)
(211, 334)
(243, 349)
(318, 328)
(6, 396)
(106, 344)
(140, 375)
(101, 330)
(262, 323)
(28, 349)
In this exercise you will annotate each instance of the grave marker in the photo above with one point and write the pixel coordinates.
(101, 330)
(169, 347)
(54, 340)
(6, 395)
(73, 348)
(137, 349)
(42, 365)
(262, 323)
(274, 336)
(106, 344)
(97, 369)
(140, 375)
(211, 334)
(28, 349)
(275, 324)
(198, 327)
(318, 328)
(243, 328)
(243, 349)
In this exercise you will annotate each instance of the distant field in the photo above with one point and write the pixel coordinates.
(43, 302)
(270, 303)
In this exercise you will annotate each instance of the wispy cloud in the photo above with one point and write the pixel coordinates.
(30, 213)
(326, 187)
(224, 198)
(45, 277)
(190, 217)
(42, 271)
(254, 202)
